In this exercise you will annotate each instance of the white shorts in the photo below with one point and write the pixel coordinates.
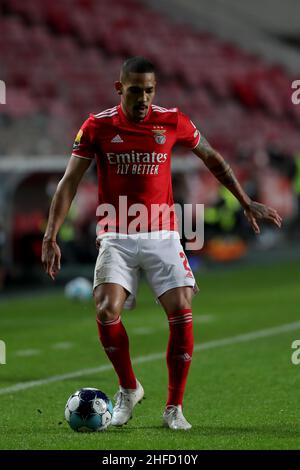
(121, 260)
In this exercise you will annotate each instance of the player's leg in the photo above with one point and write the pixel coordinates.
(115, 286)
(110, 299)
(115, 283)
(172, 280)
(177, 305)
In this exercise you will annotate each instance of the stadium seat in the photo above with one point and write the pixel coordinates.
(73, 56)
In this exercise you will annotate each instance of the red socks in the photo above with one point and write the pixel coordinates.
(115, 342)
(179, 353)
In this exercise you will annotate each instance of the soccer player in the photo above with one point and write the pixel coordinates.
(132, 145)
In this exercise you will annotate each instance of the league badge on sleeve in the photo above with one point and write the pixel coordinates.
(77, 140)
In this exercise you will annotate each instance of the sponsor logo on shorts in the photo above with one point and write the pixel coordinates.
(190, 275)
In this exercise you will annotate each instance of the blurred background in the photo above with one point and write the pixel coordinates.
(228, 64)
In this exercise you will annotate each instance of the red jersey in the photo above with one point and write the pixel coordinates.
(134, 161)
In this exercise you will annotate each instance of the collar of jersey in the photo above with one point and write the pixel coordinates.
(125, 118)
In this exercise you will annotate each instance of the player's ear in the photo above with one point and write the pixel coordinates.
(118, 87)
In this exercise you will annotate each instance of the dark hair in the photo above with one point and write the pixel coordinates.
(137, 64)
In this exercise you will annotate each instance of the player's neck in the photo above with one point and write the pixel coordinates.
(130, 118)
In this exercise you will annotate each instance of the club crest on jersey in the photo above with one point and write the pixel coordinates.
(159, 135)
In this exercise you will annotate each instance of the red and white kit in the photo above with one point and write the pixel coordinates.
(134, 162)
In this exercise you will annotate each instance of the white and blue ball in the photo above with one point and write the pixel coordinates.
(79, 288)
(88, 410)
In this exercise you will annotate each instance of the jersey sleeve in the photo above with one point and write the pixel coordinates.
(187, 133)
(83, 144)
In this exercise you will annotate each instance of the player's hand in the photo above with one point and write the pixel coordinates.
(51, 258)
(257, 211)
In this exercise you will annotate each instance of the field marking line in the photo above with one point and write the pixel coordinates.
(63, 345)
(27, 352)
(217, 343)
(197, 319)
(204, 318)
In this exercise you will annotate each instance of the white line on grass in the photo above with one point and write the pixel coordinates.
(143, 331)
(64, 345)
(27, 352)
(253, 335)
(203, 318)
(197, 319)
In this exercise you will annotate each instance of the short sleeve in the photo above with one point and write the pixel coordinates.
(187, 133)
(83, 143)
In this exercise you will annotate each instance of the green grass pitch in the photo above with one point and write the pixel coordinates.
(242, 392)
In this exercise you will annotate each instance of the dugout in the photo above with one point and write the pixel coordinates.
(26, 189)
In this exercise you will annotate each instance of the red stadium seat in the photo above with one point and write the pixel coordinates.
(73, 48)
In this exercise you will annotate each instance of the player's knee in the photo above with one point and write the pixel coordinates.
(179, 305)
(183, 305)
(177, 300)
(107, 311)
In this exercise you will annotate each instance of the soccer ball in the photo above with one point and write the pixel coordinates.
(88, 410)
(79, 288)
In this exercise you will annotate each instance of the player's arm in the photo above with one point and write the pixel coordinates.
(254, 211)
(59, 208)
